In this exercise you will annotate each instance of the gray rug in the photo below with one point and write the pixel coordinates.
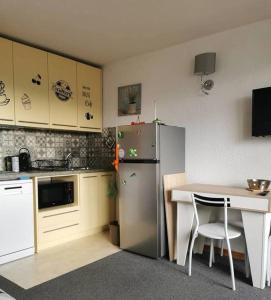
(129, 276)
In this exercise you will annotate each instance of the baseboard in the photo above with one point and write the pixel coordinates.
(236, 255)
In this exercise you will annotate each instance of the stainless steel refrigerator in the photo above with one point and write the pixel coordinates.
(147, 152)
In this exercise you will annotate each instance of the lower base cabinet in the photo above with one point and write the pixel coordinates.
(91, 213)
(97, 208)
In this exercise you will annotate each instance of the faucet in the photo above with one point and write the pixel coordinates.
(68, 161)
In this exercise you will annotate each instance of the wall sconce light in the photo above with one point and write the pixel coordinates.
(205, 65)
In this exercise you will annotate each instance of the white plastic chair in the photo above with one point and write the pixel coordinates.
(214, 231)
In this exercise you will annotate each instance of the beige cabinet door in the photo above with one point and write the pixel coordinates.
(6, 83)
(89, 185)
(62, 92)
(107, 205)
(89, 89)
(30, 86)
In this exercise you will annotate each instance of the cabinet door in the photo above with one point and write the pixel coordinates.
(31, 86)
(88, 201)
(6, 83)
(89, 97)
(62, 92)
(106, 208)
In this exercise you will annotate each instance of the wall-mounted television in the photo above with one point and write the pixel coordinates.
(261, 112)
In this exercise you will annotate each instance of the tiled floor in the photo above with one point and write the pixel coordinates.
(57, 261)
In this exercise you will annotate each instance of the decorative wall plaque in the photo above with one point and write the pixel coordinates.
(129, 100)
(62, 90)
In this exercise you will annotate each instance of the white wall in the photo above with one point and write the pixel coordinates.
(219, 145)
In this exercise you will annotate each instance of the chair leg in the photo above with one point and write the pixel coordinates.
(221, 247)
(268, 271)
(191, 252)
(211, 253)
(231, 264)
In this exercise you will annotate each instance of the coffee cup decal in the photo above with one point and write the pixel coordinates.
(26, 101)
(4, 100)
(62, 90)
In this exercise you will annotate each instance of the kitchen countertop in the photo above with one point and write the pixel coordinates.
(4, 175)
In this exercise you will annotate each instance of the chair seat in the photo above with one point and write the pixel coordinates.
(216, 231)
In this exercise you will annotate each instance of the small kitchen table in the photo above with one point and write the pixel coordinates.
(256, 216)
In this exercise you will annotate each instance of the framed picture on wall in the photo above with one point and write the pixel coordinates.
(129, 100)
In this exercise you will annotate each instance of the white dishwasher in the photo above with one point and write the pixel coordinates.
(16, 220)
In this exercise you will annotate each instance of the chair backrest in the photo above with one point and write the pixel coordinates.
(214, 202)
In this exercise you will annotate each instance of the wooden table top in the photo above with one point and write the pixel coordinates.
(221, 190)
(240, 197)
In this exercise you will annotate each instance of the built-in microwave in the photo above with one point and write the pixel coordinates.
(55, 193)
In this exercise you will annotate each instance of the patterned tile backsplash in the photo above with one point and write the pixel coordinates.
(88, 149)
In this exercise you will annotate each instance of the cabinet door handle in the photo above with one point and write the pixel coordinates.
(56, 124)
(89, 127)
(59, 228)
(29, 122)
(59, 214)
(6, 119)
(13, 187)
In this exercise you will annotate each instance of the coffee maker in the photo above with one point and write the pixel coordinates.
(24, 160)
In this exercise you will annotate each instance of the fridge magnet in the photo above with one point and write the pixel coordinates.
(129, 100)
(4, 100)
(26, 101)
(62, 90)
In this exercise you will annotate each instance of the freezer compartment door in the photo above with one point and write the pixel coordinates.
(138, 141)
(138, 209)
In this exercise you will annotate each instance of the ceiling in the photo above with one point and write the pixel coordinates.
(101, 31)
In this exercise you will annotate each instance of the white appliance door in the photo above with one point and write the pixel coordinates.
(138, 208)
(16, 218)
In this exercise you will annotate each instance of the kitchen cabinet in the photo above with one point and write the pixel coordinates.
(89, 88)
(90, 213)
(58, 224)
(89, 201)
(106, 207)
(6, 83)
(97, 208)
(44, 90)
(62, 92)
(30, 86)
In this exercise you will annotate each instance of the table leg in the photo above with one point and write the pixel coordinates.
(185, 215)
(257, 230)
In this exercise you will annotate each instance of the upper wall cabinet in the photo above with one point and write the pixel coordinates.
(62, 92)
(6, 83)
(89, 89)
(31, 86)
